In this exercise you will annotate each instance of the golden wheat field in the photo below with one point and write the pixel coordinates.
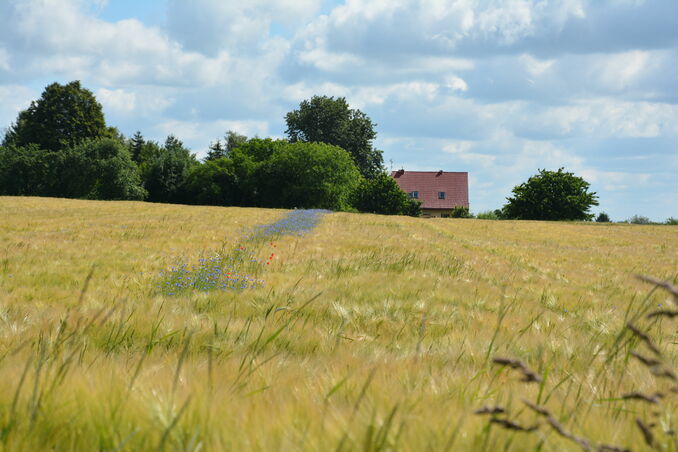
(368, 333)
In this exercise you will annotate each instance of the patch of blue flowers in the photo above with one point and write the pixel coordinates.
(237, 269)
(297, 222)
(218, 272)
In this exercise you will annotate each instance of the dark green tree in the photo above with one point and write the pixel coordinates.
(173, 143)
(307, 175)
(461, 212)
(602, 218)
(148, 152)
(212, 183)
(102, 169)
(96, 169)
(28, 171)
(500, 214)
(487, 215)
(325, 119)
(382, 195)
(136, 144)
(247, 162)
(276, 173)
(164, 170)
(639, 219)
(115, 133)
(64, 116)
(231, 141)
(551, 195)
(216, 151)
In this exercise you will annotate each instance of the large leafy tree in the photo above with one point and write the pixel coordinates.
(95, 169)
(328, 120)
(309, 175)
(248, 159)
(276, 173)
(28, 171)
(164, 170)
(64, 116)
(551, 195)
(212, 183)
(100, 169)
(382, 195)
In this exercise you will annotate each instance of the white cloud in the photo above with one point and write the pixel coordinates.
(437, 27)
(193, 133)
(13, 99)
(462, 150)
(248, 128)
(117, 100)
(622, 69)
(536, 67)
(499, 88)
(605, 117)
(615, 180)
(300, 91)
(58, 37)
(329, 61)
(456, 83)
(545, 154)
(441, 63)
(132, 102)
(215, 26)
(458, 147)
(365, 96)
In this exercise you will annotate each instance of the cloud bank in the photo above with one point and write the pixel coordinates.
(496, 88)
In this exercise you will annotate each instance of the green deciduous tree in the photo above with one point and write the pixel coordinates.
(382, 195)
(64, 116)
(602, 218)
(639, 219)
(276, 173)
(147, 153)
(307, 175)
(325, 119)
(212, 183)
(487, 215)
(461, 212)
(231, 141)
(96, 169)
(103, 169)
(164, 170)
(551, 195)
(27, 171)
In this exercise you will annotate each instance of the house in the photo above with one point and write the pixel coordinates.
(439, 191)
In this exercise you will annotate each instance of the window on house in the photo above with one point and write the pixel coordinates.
(414, 194)
(441, 195)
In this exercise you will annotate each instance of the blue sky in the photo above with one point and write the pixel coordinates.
(496, 88)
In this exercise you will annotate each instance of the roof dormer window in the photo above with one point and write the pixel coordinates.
(414, 194)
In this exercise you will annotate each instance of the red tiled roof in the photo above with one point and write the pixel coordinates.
(429, 183)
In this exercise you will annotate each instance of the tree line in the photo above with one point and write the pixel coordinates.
(61, 146)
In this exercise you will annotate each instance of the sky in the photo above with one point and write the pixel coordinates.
(497, 88)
